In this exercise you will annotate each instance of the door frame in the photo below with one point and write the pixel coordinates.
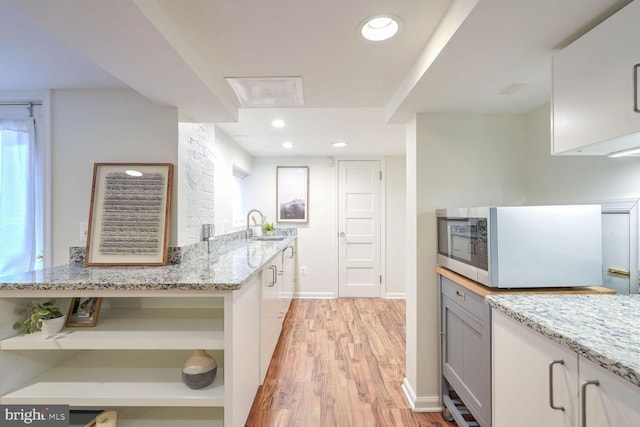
(383, 220)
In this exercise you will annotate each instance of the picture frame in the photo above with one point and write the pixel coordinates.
(292, 194)
(83, 311)
(129, 214)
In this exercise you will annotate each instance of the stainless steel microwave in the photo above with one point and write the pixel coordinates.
(523, 246)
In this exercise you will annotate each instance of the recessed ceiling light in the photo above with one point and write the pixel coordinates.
(339, 144)
(278, 123)
(287, 144)
(379, 27)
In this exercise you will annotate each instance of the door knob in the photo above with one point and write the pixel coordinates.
(343, 235)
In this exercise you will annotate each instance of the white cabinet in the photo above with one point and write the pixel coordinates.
(131, 361)
(278, 286)
(533, 377)
(525, 376)
(288, 277)
(595, 110)
(612, 402)
(270, 320)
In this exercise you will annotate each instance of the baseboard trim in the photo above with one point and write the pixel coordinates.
(395, 295)
(420, 404)
(315, 295)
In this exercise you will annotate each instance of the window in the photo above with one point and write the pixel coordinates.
(20, 200)
(237, 196)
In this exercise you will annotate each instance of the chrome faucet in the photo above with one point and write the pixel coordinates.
(249, 218)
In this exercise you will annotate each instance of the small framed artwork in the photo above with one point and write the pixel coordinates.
(129, 214)
(83, 311)
(292, 194)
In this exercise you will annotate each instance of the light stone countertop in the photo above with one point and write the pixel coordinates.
(603, 328)
(222, 270)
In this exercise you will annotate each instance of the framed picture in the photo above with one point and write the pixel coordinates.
(292, 194)
(83, 311)
(129, 214)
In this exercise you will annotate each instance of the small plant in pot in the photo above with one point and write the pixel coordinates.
(268, 228)
(45, 316)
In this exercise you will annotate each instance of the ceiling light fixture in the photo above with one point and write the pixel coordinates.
(267, 91)
(339, 144)
(379, 27)
(623, 153)
(287, 144)
(277, 123)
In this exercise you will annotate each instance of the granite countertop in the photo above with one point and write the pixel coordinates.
(220, 270)
(602, 328)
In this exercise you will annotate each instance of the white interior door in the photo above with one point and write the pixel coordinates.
(359, 185)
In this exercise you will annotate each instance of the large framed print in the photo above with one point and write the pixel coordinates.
(292, 194)
(129, 214)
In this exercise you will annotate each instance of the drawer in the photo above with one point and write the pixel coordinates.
(467, 300)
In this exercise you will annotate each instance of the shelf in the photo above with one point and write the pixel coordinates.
(112, 378)
(134, 329)
(170, 417)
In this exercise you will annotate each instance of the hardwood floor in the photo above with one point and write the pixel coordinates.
(339, 362)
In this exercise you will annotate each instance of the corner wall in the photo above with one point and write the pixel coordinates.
(461, 160)
(102, 126)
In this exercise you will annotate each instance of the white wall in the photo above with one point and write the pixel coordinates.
(561, 179)
(227, 154)
(317, 239)
(461, 160)
(395, 219)
(95, 126)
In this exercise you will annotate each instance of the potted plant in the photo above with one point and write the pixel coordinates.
(268, 228)
(45, 316)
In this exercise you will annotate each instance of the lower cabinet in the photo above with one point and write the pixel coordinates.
(270, 318)
(530, 374)
(465, 352)
(132, 360)
(537, 382)
(278, 287)
(611, 402)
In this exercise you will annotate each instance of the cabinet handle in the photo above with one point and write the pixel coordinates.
(635, 88)
(460, 295)
(583, 398)
(275, 275)
(551, 364)
(616, 271)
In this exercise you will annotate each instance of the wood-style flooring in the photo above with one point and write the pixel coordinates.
(339, 363)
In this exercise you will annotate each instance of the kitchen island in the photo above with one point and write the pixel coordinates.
(151, 319)
(566, 360)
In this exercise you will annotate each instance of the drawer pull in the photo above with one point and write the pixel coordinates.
(622, 272)
(553, 405)
(635, 88)
(583, 399)
(460, 295)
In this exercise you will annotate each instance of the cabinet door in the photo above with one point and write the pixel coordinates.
(288, 277)
(522, 388)
(270, 322)
(593, 88)
(614, 402)
(466, 348)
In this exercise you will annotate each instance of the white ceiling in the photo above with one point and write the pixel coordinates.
(451, 56)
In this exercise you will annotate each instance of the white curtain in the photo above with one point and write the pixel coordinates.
(17, 196)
